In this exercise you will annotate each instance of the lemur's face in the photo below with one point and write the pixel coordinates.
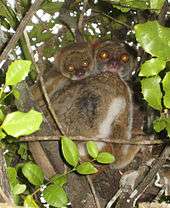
(113, 57)
(76, 61)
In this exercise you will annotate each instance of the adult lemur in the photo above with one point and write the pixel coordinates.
(91, 98)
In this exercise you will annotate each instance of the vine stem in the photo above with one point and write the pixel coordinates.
(11, 44)
(5, 198)
(7, 95)
(113, 19)
(136, 140)
(64, 174)
(2, 90)
(42, 83)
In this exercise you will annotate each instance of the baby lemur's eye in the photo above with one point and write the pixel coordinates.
(85, 63)
(124, 57)
(70, 68)
(104, 55)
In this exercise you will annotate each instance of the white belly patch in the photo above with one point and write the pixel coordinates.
(115, 108)
(105, 128)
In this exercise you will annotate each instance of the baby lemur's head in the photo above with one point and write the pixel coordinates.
(114, 57)
(76, 61)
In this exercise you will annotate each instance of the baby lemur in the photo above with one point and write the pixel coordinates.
(94, 100)
(73, 62)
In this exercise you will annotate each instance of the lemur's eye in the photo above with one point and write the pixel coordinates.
(104, 55)
(70, 68)
(85, 63)
(124, 57)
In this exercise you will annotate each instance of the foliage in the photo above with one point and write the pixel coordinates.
(17, 123)
(126, 5)
(33, 173)
(55, 196)
(154, 38)
(29, 202)
(71, 155)
(54, 192)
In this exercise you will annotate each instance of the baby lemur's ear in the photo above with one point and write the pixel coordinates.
(96, 44)
(58, 57)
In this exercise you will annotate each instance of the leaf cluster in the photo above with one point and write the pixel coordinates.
(155, 82)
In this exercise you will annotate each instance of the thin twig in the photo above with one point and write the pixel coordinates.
(81, 18)
(149, 178)
(113, 19)
(42, 83)
(162, 14)
(132, 7)
(131, 198)
(5, 191)
(114, 198)
(45, 93)
(80, 24)
(93, 191)
(3, 195)
(160, 193)
(137, 140)
(11, 44)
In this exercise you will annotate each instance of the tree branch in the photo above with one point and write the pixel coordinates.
(137, 140)
(129, 199)
(11, 44)
(4, 185)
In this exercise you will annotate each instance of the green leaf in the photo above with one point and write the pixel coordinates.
(168, 126)
(55, 196)
(16, 93)
(92, 149)
(24, 5)
(156, 4)
(29, 202)
(154, 38)
(152, 92)
(159, 124)
(137, 4)
(33, 173)
(19, 124)
(70, 151)
(38, 32)
(2, 134)
(86, 168)
(51, 7)
(13, 181)
(12, 176)
(152, 67)
(22, 151)
(2, 116)
(17, 72)
(19, 189)
(105, 158)
(59, 180)
(8, 13)
(166, 88)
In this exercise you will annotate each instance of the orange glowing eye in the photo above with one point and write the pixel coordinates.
(104, 55)
(85, 64)
(70, 68)
(124, 57)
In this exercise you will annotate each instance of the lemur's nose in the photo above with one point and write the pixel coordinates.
(80, 72)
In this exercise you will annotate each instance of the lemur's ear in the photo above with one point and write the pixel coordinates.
(58, 57)
(95, 44)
